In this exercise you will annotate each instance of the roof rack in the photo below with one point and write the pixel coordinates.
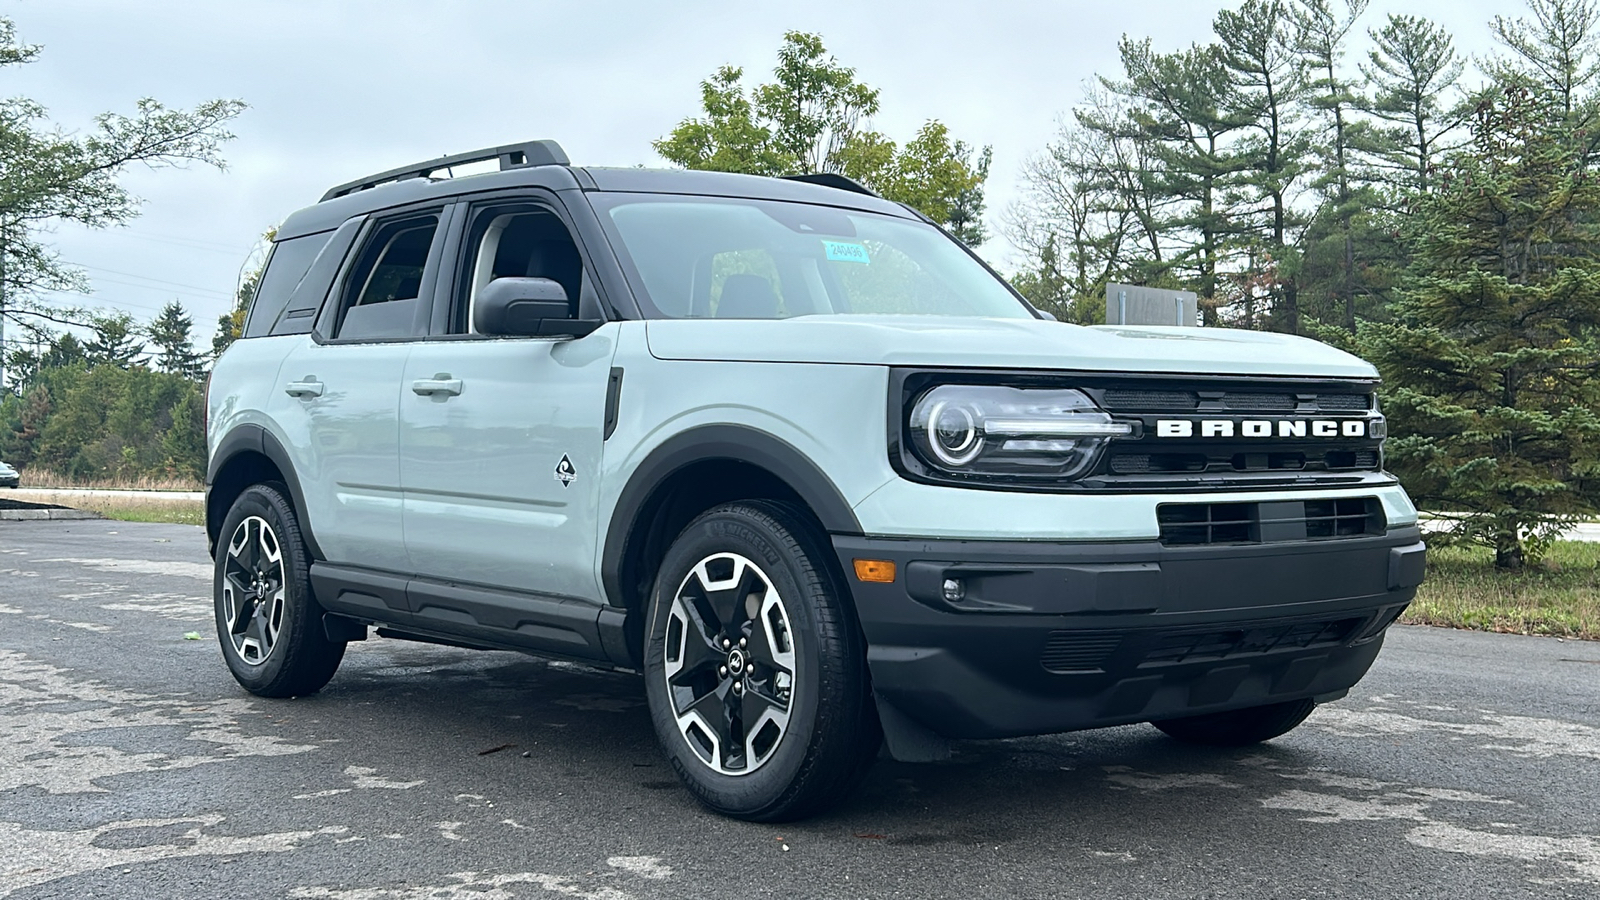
(833, 180)
(511, 156)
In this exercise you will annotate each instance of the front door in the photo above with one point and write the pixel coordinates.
(500, 437)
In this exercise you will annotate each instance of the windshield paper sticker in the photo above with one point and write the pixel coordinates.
(841, 251)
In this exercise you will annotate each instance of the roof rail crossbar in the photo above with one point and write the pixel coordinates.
(833, 180)
(511, 156)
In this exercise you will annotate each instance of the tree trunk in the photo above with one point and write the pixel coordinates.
(1508, 552)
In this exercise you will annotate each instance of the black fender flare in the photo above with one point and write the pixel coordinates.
(738, 443)
(252, 438)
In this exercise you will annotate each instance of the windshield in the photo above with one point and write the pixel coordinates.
(726, 258)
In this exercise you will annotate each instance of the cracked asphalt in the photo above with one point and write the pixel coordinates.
(1465, 765)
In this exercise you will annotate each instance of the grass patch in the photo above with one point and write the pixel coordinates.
(38, 477)
(1559, 596)
(176, 512)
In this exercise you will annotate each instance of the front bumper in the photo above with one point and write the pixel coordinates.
(1052, 636)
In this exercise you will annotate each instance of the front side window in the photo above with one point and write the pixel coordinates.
(381, 295)
(517, 241)
(762, 259)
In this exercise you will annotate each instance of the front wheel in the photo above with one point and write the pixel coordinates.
(1239, 727)
(755, 668)
(268, 622)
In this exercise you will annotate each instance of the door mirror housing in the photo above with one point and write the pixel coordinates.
(527, 307)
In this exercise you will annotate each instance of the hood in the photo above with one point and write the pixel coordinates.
(937, 341)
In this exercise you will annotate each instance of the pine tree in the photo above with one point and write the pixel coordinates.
(172, 332)
(115, 342)
(1492, 367)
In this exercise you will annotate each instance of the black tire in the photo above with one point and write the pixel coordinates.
(831, 735)
(1239, 727)
(296, 658)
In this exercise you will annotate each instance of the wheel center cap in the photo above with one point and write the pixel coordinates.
(736, 661)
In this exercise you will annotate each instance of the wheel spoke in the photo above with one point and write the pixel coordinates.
(254, 601)
(730, 663)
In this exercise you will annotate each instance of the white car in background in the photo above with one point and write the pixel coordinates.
(8, 476)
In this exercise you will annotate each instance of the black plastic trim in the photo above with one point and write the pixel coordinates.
(1059, 636)
(471, 615)
(613, 401)
(732, 442)
(253, 438)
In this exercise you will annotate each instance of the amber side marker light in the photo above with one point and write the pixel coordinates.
(880, 571)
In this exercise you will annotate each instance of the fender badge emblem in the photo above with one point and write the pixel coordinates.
(565, 473)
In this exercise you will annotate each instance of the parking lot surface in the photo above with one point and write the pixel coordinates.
(131, 765)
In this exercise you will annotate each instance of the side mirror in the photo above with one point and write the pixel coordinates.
(527, 307)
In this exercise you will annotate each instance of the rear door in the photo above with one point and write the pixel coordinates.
(500, 437)
(338, 396)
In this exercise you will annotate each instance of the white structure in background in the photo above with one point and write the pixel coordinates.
(1128, 304)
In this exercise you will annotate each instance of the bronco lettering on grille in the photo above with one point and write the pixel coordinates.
(1260, 428)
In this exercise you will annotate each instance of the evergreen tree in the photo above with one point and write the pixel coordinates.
(1411, 71)
(115, 342)
(1183, 102)
(172, 333)
(64, 351)
(1554, 53)
(1491, 372)
(1259, 46)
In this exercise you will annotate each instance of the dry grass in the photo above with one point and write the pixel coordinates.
(178, 512)
(35, 477)
(1560, 596)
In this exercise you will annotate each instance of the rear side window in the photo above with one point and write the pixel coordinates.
(286, 266)
(380, 297)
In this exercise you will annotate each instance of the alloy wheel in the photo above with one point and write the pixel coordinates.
(730, 664)
(253, 590)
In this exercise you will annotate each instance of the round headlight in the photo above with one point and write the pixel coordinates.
(999, 431)
(956, 440)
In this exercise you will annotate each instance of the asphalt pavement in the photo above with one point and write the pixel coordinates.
(1466, 765)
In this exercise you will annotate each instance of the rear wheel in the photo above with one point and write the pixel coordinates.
(1239, 727)
(268, 622)
(755, 668)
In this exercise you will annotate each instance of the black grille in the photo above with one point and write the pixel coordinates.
(1076, 651)
(1345, 402)
(1233, 400)
(1153, 400)
(1207, 523)
(1188, 524)
(1212, 645)
(1349, 517)
(1121, 398)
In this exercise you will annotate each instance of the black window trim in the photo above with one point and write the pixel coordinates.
(451, 276)
(327, 316)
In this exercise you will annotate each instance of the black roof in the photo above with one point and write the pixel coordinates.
(378, 192)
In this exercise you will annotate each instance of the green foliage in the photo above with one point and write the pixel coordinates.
(106, 423)
(115, 341)
(1490, 364)
(809, 119)
(51, 175)
(173, 334)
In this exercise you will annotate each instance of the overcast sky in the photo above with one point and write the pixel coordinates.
(342, 88)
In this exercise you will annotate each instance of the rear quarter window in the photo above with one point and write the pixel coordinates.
(286, 266)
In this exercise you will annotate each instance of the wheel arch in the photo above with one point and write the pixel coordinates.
(250, 454)
(692, 472)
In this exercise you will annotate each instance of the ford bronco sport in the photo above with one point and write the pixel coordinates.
(795, 455)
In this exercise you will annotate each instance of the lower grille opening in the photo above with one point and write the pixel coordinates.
(1189, 524)
(1075, 651)
(1225, 644)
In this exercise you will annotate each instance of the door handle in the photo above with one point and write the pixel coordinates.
(446, 386)
(305, 390)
